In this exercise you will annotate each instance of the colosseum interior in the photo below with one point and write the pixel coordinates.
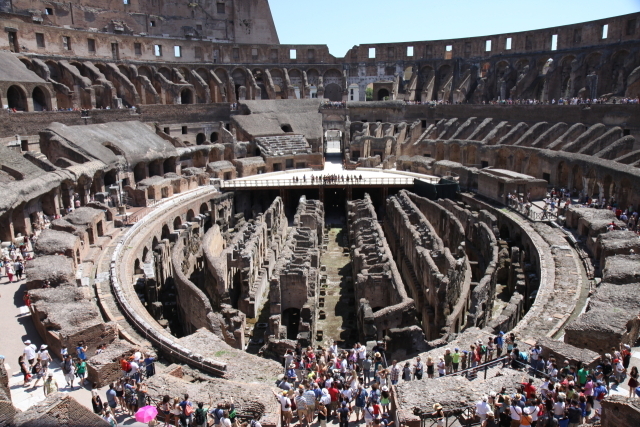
(191, 188)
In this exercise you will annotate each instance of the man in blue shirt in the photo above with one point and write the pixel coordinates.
(499, 343)
(361, 400)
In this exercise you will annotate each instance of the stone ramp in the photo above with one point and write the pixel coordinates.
(561, 284)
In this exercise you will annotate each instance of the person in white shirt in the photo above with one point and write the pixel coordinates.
(134, 372)
(30, 352)
(362, 354)
(482, 407)
(515, 412)
(45, 358)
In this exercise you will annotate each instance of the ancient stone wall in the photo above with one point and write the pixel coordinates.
(239, 274)
(383, 302)
(420, 249)
(294, 285)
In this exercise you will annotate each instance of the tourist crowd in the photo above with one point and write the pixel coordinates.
(557, 202)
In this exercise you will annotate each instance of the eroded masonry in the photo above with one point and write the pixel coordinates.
(191, 187)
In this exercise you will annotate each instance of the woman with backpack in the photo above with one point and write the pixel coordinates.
(200, 416)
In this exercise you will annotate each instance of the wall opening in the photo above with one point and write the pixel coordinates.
(200, 139)
(372, 53)
(605, 31)
(16, 98)
(409, 50)
(214, 137)
(554, 42)
(186, 97)
(507, 45)
(39, 100)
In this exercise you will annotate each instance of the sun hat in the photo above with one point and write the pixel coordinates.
(27, 342)
(43, 347)
(385, 388)
(437, 406)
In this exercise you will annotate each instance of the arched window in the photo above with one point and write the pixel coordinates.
(16, 98)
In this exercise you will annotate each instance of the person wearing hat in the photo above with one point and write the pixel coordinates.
(619, 370)
(291, 373)
(44, 356)
(438, 414)
(50, 385)
(30, 352)
(343, 415)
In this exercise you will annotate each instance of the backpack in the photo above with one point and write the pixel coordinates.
(199, 418)
(127, 366)
(483, 349)
(188, 409)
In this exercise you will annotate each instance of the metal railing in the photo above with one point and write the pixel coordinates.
(531, 213)
(464, 416)
(473, 372)
(316, 182)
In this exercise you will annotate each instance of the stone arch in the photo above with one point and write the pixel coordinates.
(562, 175)
(576, 178)
(139, 171)
(472, 152)
(333, 92)
(502, 157)
(624, 191)
(186, 96)
(177, 223)
(518, 161)
(17, 98)
(145, 71)
(444, 82)
(201, 138)
(532, 166)
(190, 215)
(41, 101)
(382, 94)
(313, 76)
(166, 72)
(214, 137)
(454, 153)
(332, 73)
(136, 267)
(566, 90)
(145, 253)
(125, 70)
(439, 151)
(204, 208)
(609, 187)
(618, 72)
(154, 242)
(593, 188)
(165, 232)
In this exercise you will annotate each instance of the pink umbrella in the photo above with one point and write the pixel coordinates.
(146, 414)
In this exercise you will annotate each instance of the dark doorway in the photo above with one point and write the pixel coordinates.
(291, 318)
(382, 94)
(14, 46)
(17, 99)
(39, 100)
(200, 139)
(186, 97)
(214, 137)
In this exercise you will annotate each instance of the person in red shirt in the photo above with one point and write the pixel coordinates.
(529, 389)
(334, 393)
